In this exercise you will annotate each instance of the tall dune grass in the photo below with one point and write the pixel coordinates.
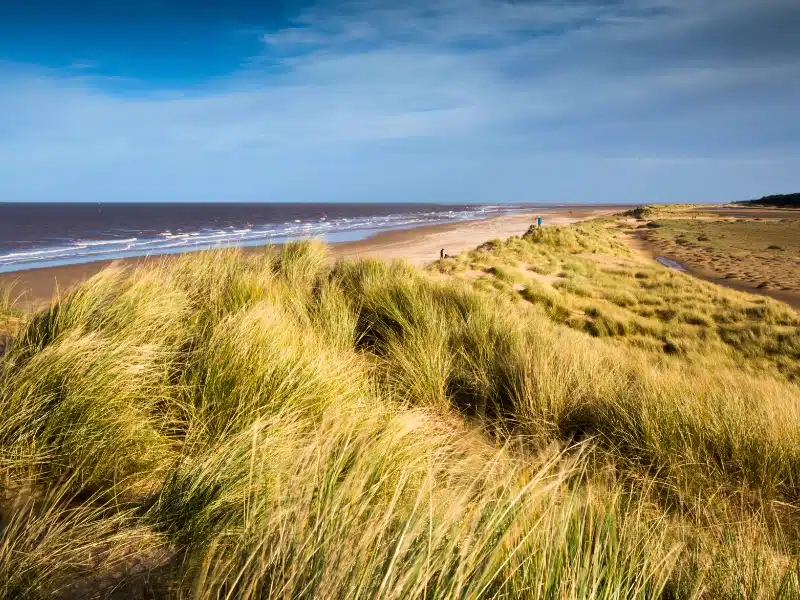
(228, 425)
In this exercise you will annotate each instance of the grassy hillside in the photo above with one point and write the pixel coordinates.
(545, 417)
(585, 278)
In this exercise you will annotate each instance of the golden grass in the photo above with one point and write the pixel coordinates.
(548, 417)
(604, 289)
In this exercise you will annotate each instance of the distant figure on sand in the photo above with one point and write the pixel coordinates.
(539, 222)
(441, 253)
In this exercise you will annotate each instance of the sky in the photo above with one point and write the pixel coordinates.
(415, 100)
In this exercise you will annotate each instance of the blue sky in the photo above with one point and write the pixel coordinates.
(430, 101)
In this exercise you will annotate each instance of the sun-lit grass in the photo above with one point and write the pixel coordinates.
(591, 282)
(10, 315)
(545, 417)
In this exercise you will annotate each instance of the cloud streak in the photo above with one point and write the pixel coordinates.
(453, 100)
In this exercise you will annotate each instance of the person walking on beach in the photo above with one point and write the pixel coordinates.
(441, 254)
(539, 222)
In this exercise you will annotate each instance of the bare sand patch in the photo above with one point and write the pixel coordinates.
(757, 256)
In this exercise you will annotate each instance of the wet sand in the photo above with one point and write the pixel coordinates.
(418, 246)
(742, 212)
(638, 242)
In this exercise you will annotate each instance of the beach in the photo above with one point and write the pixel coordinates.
(418, 245)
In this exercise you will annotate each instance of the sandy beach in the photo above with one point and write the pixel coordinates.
(422, 245)
(419, 246)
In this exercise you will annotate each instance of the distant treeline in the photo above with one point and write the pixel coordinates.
(792, 200)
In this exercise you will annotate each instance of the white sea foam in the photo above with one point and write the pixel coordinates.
(30, 254)
(84, 250)
(103, 242)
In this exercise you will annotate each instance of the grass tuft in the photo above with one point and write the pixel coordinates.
(274, 425)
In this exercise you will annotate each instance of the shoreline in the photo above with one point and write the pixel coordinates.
(417, 245)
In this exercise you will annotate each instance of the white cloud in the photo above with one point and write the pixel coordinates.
(455, 86)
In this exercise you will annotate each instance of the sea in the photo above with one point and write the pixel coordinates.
(45, 235)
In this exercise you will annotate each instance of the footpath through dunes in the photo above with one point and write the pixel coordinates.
(546, 416)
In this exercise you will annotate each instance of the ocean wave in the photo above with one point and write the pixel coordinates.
(32, 253)
(103, 242)
(167, 241)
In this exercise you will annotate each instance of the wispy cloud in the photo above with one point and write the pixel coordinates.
(82, 64)
(447, 100)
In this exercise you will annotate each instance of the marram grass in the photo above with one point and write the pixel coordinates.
(229, 425)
